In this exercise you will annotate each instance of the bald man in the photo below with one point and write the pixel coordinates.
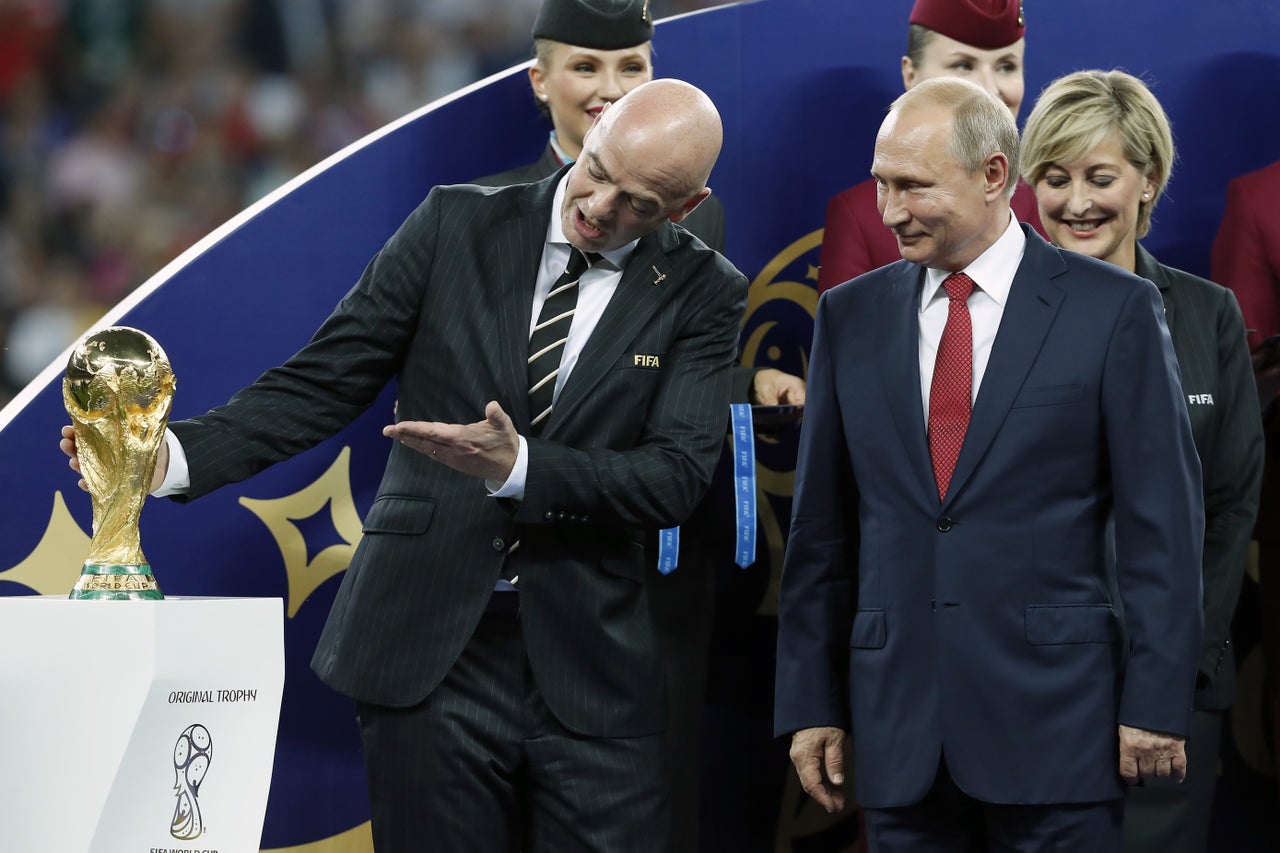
(563, 353)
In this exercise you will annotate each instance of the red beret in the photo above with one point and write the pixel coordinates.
(985, 24)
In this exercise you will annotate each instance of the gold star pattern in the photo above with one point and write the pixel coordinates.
(55, 564)
(279, 514)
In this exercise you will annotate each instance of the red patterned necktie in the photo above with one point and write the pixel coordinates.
(951, 394)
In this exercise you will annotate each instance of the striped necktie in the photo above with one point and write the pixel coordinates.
(546, 344)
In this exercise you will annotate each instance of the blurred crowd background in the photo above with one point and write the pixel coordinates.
(129, 129)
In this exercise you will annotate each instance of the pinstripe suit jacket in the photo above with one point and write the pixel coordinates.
(445, 308)
(1217, 379)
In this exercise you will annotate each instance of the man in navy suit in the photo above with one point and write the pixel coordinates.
(995, 450)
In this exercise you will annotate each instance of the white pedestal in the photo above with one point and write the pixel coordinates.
(97, 747)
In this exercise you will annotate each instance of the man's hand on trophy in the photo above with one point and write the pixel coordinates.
(68, 446)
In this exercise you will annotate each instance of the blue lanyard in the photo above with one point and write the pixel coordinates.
(744, 499)
(744, 483)
(668, 549)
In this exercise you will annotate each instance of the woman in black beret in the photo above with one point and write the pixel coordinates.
(590, 53)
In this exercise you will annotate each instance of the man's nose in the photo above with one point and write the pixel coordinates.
(892, 210)
(601, 204)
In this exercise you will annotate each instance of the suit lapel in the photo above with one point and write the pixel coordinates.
(515, 251)
(1149, 268)
(899, 352)
(628, 311)
(1033, 303)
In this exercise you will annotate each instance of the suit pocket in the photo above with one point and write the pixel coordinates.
(1061, 624)
(869, 631)
(625, 558)
(1049, 395)
(400, 514)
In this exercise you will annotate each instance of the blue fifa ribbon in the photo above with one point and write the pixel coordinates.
(744, 483)
(668, 549)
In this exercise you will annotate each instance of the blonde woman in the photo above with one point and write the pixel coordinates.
(1098, 151)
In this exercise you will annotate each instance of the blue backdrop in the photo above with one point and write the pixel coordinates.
(802, 86)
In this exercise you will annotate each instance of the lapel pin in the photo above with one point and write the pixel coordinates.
(660, 276)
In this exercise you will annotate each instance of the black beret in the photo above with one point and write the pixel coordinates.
(597, 24)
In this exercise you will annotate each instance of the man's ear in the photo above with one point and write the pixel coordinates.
(688, 206)
(995, 173)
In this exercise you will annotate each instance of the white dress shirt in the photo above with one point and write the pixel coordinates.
(992, 275)
(595, 289)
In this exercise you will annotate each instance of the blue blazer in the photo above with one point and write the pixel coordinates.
(987, 627)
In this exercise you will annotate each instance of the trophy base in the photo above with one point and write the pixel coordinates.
(109, 582)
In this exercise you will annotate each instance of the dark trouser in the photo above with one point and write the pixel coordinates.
(682, 605)
(1269, 604)
(483, 765)
(948, 820)
(1166, 817)
(1267, 532)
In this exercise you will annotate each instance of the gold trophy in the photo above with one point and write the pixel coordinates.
(118, 390)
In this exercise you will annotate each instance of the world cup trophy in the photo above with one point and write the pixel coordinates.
(118, 390)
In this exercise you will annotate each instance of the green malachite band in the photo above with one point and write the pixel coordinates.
(112, 595)
(115, 569)
(116, 582)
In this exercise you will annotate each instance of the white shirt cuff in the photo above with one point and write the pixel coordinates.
(514, 486)
(177, 480)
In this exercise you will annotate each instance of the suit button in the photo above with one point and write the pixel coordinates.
(548, 515)
(561, 516)
(944, 524)
(499, 544)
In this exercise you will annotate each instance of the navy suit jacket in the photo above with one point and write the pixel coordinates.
(445, 308)
(985, 627)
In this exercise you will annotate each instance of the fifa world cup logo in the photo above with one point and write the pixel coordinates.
(191, 757)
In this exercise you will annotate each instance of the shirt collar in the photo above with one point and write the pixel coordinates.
(564, 158)
(992, 271)
(555, 232)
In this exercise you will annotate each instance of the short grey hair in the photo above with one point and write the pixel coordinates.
(980, 124)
